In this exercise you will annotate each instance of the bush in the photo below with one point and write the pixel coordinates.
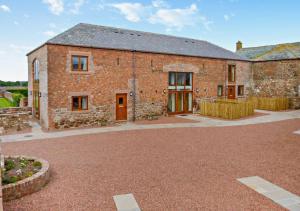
(23, 92)
(7, 179)
(37, 164)
(9, 164)
(17, 98)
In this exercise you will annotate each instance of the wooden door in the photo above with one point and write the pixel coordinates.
(231, 92)
(121, 107)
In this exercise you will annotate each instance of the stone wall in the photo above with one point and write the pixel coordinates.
(276, 78)
(97, 116)
(15, 118)
(149, 109)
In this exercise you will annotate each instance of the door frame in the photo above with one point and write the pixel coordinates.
(185, 110)
(126, 101)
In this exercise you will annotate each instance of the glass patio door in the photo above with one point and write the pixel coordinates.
(180, 102)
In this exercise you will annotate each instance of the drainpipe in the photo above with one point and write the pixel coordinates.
(225, 76)
(133, 86)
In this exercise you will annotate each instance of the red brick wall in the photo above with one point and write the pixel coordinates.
(106, 78)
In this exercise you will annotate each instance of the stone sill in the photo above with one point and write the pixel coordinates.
(81, 73)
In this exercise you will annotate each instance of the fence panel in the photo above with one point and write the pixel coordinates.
(227, 109)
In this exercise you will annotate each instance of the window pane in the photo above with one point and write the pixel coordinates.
(84, 103)
(75, 62)
(220, 90)
(171, 102)
(75, 103)
(171, 79)
(188, 79)
(36, 70)
(180, 79)
(180, 101)
(231, 73)
(240, 90)
(83, 63)
(188, 101)
(121, 101)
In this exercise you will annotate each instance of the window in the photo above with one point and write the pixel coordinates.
(220, 90)
(241, 90)
(172, 79)
(79, 63)
(121, 101)
(180, 81)
(36, 70)
(231, 73)
(79, 103)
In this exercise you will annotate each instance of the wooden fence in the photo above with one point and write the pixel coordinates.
(227, 109)
(270, 103)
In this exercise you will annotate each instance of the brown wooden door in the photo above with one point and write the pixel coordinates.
(231, 92)
(121, 107)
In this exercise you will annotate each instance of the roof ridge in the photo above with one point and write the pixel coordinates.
(144, 32)
(274, 45)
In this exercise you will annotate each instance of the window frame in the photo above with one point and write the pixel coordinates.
(222, 90)
(176, 82)
(238, 91)
(79, 63)
(79, 103)
(230, 68)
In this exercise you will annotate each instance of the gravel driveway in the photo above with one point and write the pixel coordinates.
(165, 169)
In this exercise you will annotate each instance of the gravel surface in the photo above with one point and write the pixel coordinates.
(165, 120)
(165, 169)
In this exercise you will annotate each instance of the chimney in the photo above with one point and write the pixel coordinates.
(239, 45)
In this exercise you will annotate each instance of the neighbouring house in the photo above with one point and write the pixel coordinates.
(275, 69)
(93, 75)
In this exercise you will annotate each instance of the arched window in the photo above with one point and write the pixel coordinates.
(36, 70)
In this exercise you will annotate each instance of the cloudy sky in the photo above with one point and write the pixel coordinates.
(25, 24)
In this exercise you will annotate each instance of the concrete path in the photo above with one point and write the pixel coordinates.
(37, 133)
(126, 202)
(277, 194)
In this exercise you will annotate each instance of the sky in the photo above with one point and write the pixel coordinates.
(27, 24)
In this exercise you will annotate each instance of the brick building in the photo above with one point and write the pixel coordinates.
(93, 75)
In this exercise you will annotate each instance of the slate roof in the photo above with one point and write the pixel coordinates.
(88, 35)
(271, 52)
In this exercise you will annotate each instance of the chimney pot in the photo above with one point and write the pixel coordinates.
(239, 45)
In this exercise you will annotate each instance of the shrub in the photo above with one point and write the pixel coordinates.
(16, 99)
(9, 164)
(37, 164)
(23, 92)
(7, 179)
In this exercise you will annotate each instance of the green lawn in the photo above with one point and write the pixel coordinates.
(4, 103)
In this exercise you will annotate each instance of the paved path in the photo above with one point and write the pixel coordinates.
(280, 196)
(37, 133)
